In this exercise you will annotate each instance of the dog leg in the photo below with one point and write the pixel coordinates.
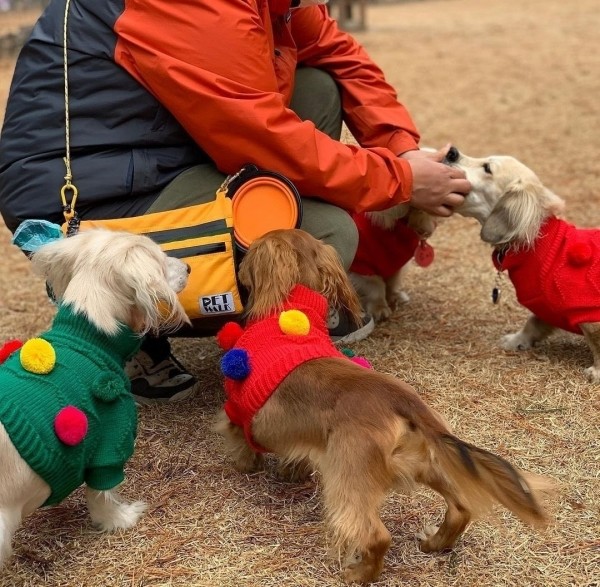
(371, 290)
(109, 512)
(244, 458)
(394, 293)
(9, 522)
(294, 471)
(456, 519)
(591, 332)
(356, 479)
(22, 491)
(534, 331)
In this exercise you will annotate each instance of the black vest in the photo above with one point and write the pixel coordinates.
(125, 146)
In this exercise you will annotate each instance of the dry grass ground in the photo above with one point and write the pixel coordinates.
(521, 80)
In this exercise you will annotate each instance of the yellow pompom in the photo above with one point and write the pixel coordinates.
(38, 356)
(294, 322)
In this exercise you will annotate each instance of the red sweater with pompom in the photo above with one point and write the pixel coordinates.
(558, 278)
(382, 251)
(273, 355)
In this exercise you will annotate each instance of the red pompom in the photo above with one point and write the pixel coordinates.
(9, 348)
(71, 425)
(229, 335)
(362, 362)
(579, 254)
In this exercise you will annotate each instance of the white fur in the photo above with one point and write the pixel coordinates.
(109, 512)
(110, 277)
(104, 274)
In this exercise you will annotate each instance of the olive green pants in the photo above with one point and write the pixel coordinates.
(316, 98)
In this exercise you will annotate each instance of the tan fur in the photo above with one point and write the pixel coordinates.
(511, 203)
(275, 264)
(368, 433)
(110, 277)
(381, 297)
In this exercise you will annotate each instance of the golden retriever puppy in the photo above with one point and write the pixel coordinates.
(67, 415)
(553, 265)
(291, 392)
(388, 240)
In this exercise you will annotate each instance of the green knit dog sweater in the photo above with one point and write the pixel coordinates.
(66, 404)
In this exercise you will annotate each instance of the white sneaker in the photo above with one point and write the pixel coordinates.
(165, 381)
(343, 330)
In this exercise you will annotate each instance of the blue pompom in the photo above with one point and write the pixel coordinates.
(235, 364)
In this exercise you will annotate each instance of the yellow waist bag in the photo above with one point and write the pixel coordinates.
(200, 235)
(209, 236)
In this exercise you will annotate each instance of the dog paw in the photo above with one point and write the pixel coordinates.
(122, 517)
(427, 532)
(295, 472)
(397, 298)
(592, 374)
(380, 311)
(425, 537)
(364, 569)
(249, 462)
(515, 342)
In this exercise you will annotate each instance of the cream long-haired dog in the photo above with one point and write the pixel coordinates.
(554, 266)
(366, 433)
(66, 412)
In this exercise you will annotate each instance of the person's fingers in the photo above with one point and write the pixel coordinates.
(453, 200)
(443, 211)
(444, 151)
(456, 173)
(461, 186)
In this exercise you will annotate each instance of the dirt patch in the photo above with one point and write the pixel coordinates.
(522, 81)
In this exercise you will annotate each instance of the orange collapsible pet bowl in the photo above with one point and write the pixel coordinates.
(262, 201)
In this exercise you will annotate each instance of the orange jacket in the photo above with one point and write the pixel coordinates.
(225, 70)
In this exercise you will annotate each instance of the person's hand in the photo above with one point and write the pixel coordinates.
(437, 188)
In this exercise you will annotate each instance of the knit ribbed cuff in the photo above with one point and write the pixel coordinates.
(103, 478)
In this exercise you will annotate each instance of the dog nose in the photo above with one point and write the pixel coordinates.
(188, 268)
(452, 156)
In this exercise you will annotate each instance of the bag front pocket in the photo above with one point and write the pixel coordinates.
(200, 235)
(212, 285)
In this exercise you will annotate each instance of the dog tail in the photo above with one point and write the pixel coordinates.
(476, 478)
(483, 478)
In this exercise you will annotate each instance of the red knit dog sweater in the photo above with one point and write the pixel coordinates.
(558, 278)
(382, 251)
(269, 349)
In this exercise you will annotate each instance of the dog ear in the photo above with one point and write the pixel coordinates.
(109, 277)
(156, 305)
(55, 262)
(72, 268)
(517, 216)
(336, 285)
(496, 228)
(269, 271)
(554, 204)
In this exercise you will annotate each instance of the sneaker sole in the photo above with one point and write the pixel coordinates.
(356, 335)
(176, 397)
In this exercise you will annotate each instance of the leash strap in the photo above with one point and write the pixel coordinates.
(69, 188)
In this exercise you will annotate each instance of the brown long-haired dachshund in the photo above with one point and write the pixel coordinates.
(365, 432)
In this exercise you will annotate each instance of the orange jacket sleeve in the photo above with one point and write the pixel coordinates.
(371, 108)
(211, 65)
